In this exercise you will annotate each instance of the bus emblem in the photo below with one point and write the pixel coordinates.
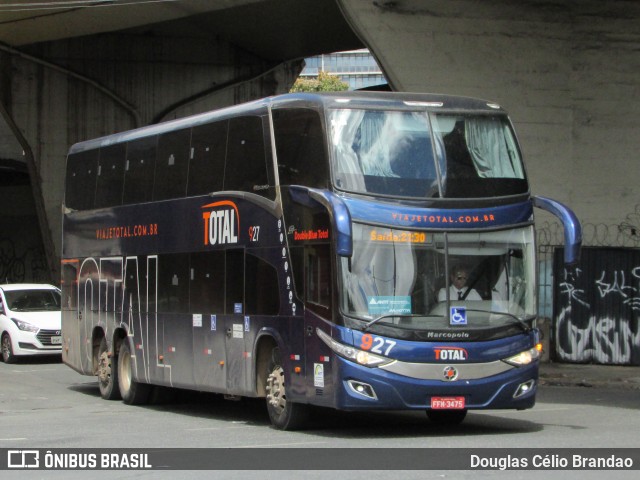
(221, 225)
(450, 373)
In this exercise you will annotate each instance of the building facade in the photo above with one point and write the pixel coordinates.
(358, 68)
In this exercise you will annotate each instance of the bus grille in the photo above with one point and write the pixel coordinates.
(45, 337)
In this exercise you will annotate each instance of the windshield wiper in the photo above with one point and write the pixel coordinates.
(391, 315)
(522, 322)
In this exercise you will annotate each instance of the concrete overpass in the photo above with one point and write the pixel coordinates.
(566, 70)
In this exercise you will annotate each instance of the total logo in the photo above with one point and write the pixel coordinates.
(221, 223)
(447, 354)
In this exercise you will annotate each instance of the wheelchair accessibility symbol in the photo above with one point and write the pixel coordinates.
(458, 316)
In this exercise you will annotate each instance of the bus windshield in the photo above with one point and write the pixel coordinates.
(409, 281)
(409, 154)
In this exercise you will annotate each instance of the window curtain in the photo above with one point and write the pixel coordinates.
(492, 149)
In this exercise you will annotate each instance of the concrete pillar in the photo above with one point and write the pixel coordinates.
(62, 92)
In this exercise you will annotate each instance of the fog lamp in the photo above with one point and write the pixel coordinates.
(524, 388)
(363, 389)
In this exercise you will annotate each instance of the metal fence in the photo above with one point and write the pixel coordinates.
(590, 312)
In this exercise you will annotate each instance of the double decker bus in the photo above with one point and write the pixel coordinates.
(304, 248)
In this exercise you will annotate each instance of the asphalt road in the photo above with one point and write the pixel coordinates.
(44, 404)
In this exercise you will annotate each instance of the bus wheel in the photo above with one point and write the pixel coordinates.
(446, 417)
(133, 393)
(107, 373)
(284, 415)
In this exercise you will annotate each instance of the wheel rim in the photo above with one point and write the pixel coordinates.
(104, 368)
(125, 372)
(275, 386)
(6, 347)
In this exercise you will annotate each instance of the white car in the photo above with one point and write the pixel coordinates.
(30, 320)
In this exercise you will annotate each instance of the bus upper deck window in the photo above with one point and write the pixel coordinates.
(139, 169)
(110, 176)
(172, 162)
(246, 167)
(82, 170)
(300, 147)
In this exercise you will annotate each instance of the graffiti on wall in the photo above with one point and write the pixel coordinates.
(597, 307)
(27, 266)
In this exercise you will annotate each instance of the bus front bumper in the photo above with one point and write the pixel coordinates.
(375, 388)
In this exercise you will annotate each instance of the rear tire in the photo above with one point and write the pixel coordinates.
(108, 373)
(447, 417)
(7, 349)
(132, 392)
(284, 414)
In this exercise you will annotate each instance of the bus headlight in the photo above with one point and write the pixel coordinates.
(523, 358)
(349, 352)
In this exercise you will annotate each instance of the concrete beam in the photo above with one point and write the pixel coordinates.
(567, 71)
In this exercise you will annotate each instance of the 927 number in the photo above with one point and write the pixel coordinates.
(254, 233)
(379, 345)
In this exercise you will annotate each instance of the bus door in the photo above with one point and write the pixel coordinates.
(236, 325)
(318, 308)
(207, 291)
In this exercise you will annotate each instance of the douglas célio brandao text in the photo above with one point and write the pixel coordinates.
(550, 461)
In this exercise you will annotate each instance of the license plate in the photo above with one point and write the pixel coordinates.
(447, 403)
(56, 340)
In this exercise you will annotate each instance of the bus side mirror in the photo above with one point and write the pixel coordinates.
(571, 224)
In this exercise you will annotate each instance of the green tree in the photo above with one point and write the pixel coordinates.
(324, 83)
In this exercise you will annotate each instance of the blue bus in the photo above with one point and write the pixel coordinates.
(354, 250)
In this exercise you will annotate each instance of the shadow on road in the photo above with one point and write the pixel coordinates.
(326, 422)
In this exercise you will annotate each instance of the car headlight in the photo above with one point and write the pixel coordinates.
(25, 326)
(523, 358)
(351, 353)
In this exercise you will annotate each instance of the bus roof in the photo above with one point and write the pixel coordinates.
(350, 99)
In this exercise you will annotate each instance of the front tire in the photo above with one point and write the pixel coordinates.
(108, 373)
(132, 392)
(7, 349)
(284, 414)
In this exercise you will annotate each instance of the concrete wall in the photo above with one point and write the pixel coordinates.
(567, 71)
(134, 80)
(21, 255)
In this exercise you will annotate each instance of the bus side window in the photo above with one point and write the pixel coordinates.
(261, 288)
(246, 166)
(234, 281)
(82, 170)
(302, 159)
(318, 276)
(172, 162)
(110, 176)
(208, 150)
(139, 169)
(173, 284)
(206, 290)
